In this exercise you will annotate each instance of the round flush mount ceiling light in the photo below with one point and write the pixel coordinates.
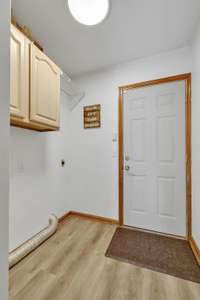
(89, 12)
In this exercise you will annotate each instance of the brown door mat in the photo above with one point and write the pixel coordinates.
(163, 254)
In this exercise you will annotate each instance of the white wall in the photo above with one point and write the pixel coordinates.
(89, 182)
(94, 181)
(196, 139)
(4, 145)
(38, 183)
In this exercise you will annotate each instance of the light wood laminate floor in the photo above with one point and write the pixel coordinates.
(71, 265)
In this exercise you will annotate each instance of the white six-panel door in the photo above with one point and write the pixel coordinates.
(155, 159)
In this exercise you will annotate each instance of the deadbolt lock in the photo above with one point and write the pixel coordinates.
(127, 158)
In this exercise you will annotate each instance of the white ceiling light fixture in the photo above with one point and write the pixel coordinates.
(89, 12)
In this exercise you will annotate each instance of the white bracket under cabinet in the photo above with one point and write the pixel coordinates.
(73, 92)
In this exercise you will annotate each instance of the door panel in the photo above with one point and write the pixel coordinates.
(137, 135)
(166, 201)
(18, 72)
(45, 89)
(154, 147)
(166, 143)
(138, 188)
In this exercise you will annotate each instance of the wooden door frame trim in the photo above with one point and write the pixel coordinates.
(183, 77)
(195, 249)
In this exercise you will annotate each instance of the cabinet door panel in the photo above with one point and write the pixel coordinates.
(18, 91)
(45, 89)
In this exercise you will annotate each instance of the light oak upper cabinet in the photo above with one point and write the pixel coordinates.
(19, 74)
(44, 89)
(34, 86)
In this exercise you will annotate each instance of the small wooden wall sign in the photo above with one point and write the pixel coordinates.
(92, 116)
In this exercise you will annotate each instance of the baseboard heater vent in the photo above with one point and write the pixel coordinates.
(18, 254)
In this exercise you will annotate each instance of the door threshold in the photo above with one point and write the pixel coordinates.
(155, 232)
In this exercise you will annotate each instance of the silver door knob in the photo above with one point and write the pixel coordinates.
(127, 168)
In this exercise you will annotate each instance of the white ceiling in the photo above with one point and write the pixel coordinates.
(133, 29)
